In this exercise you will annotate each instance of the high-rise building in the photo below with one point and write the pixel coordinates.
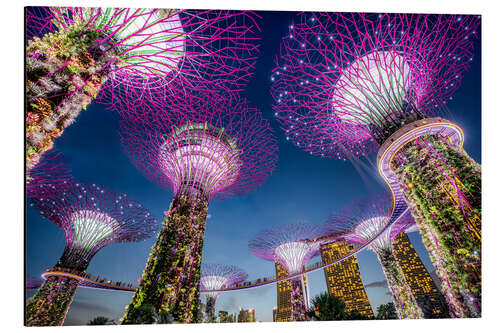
(246, 316)
(284, 301)
(428, 297)
(343, 279)
(284, 293)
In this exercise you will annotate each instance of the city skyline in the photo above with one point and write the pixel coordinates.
(301, 187)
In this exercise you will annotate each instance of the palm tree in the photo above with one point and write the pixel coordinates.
(386, 311)
(101, 321)
(147, 314)
(327, 307)
(356, 315)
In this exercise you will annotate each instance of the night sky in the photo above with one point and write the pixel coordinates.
(302, 187)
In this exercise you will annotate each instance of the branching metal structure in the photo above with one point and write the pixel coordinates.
(75, 53)
(199, 146)
(49, 177)
(91, 218)
(217, 276)
(366, 218)
(347, 83)
(284, 244)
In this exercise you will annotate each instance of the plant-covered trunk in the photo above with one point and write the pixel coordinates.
(50, 304)
(297, 300)
(442, 186)
(404, 301)
(64, 72)
(171, 280)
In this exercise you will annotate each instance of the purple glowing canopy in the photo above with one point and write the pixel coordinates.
(284, 244)
(49, 177)
(346, 81)
(218, 276)
(156, 47)
(93, 217)
(192, 143)
(366, 218)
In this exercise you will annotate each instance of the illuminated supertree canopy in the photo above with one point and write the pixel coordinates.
(348, 83)
(199, 146)
(49, 177)
(217, 276)
(74, 53)
(91, 218)
(345, 82)
(367, 218)
(284, 244)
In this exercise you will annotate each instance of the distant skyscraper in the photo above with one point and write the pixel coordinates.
(343, 279)
(246, 316)
(420, 281)
(223, 317)
(284, 290)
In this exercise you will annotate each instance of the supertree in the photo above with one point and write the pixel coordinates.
(217, 276)
(33, 282)
(349, 83)
(366, 219)
(201, 147)
(284, 244)
(74, 53)
(91, 218)
(49, 177)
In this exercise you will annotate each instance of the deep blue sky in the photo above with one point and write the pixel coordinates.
(301, 187)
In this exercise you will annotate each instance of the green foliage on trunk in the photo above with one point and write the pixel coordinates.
(442, 186)
(170, 282)
(64, 73)
(48, 307)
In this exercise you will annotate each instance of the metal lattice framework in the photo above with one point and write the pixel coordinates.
(155, 46)
(217, 276)
(367, 218)
(284, 244)
(346, 81)
(49, 177)
(93, 217)
(363, 219)
(77, 54)
(214, 277)
(201, 144)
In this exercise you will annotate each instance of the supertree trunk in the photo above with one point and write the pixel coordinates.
(170, 282)
(442, 186)
(210, 309)
(457, 309)
(50, 304)
(64, 72)
(297, 300)
(405, 302)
